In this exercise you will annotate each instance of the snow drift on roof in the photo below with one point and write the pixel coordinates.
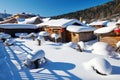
(29, 20)
(60, 22)
(110, 27)
(99, 22)
(75, 28)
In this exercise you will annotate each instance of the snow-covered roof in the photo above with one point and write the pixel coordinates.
(75, 28)
(45, 19)
(60, 22)
(29, 20)
(99, 22)
(110, 27)
(18, 26)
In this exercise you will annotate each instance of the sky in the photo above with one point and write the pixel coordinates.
(47, 8)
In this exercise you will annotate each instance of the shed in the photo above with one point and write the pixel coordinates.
(10, 20)
(59, 26)
(99, 24)
(109, 34)
(81, 33)
(18, 28)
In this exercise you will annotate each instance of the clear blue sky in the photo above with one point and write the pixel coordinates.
(47, 7)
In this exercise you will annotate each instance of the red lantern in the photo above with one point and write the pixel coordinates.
(61, 30)
(117, 30)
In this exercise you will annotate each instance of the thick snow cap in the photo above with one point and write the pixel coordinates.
(110, 27)
(100, 65)
(83, 28)
(102, 48)
(36, 55)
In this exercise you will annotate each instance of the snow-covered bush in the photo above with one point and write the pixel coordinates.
(36, 59)
(100, 65)
(82, 45)
(71, 44)
(102, 48)
(32, 35)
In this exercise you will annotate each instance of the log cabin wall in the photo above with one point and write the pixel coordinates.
(110, 38)
(82, 36)
(58, 31)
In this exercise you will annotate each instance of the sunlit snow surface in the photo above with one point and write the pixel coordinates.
(63, 62)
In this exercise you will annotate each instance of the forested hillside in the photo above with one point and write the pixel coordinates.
(108, 10)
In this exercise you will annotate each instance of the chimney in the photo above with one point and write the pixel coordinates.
(80, 19)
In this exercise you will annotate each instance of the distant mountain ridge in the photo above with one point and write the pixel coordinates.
(108, 10)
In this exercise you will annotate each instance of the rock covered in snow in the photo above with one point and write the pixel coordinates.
(36, 59)
(36, 55)
(100, 65)
(102, 48)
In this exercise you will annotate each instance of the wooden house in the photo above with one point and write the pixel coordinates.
(99, 24)
(81, 33)
(59, 26)
(10, 20)
(109, 34)
(18, 28)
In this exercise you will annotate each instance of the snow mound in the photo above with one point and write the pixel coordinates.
(102, 48)
(71, 44)
(36, 55)
(44, 33)
(22, 35)
(40, 38)
(32, 34)
(100, 65)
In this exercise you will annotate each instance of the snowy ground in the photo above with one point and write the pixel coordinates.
(63, 62)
